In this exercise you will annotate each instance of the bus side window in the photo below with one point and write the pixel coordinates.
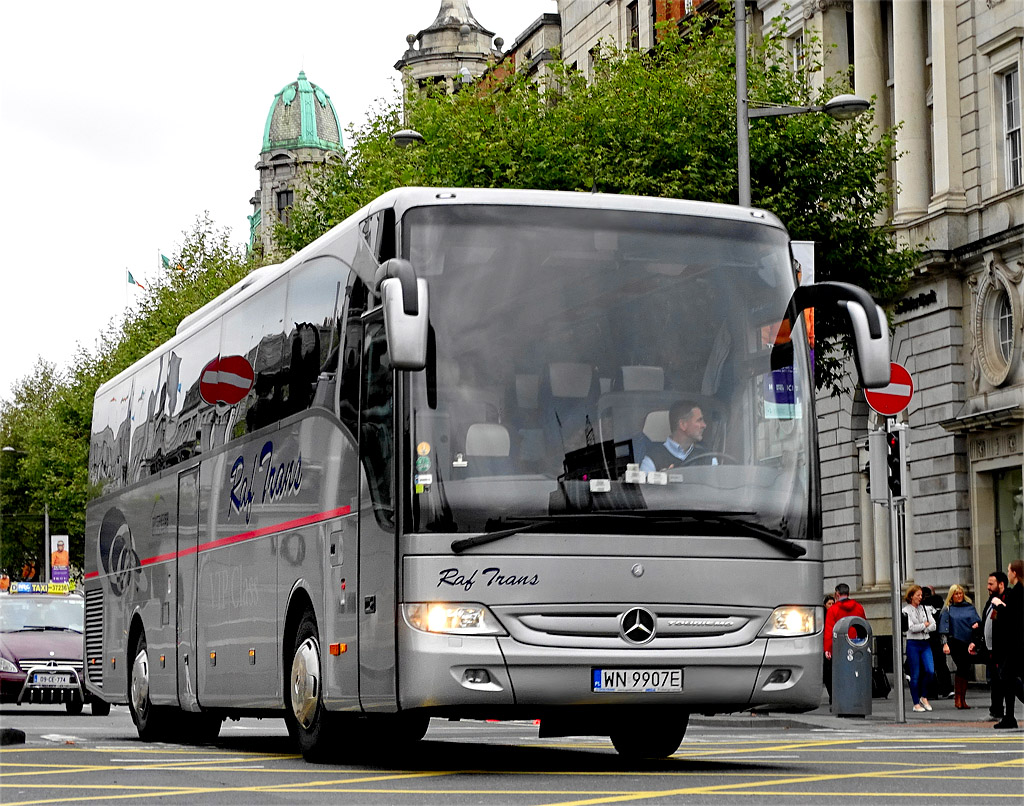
(377, 436)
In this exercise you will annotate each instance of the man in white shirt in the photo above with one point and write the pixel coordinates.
(688, 425)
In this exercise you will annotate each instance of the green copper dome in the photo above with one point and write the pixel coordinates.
(302, 116)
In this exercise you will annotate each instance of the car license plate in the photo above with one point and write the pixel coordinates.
(643, 680)
(51, 680)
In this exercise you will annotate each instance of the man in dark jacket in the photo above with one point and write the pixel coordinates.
(843, 607)
(1008, 642)
(982, 642)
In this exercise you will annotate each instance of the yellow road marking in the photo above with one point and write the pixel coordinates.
(736, 788)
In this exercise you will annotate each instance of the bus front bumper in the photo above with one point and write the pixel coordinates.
(473, 672)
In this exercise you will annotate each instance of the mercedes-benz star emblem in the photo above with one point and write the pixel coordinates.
(637, 625)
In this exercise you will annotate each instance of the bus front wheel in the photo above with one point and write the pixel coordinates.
(637, 741)
(307, 719)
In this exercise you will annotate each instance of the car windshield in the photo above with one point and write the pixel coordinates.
(41, 613)
(573, 352)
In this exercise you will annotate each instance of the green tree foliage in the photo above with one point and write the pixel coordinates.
(48, 420)
(655, 124)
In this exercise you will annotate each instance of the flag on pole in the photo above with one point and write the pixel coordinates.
(133, 281)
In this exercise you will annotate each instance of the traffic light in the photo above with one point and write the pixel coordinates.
(896, 462)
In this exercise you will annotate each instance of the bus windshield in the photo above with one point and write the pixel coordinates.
(606, 364)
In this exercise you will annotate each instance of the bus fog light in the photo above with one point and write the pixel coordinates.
(452, 619)
(790, 621)
(778, 676)
(476, 676)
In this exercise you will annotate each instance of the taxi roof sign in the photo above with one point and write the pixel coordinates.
(52, 588)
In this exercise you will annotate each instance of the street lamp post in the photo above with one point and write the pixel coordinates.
(842, 107)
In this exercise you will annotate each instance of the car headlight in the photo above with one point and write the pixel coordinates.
(7, 666)
(790, 621)
(452, 619)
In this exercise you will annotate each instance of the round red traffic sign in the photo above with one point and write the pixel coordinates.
(226, 379)
(892, 399)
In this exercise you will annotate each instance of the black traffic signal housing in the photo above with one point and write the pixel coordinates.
(896, 461)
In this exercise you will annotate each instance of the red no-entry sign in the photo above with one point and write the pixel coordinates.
(226, 379)
(892, 399)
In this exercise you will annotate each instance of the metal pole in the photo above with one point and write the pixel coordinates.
(46, 545)
(897, 599)
(742, 119)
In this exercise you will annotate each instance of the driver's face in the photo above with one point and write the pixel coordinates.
(694, 425)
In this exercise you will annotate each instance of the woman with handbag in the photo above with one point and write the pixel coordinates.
(957, 623)
(920, 624)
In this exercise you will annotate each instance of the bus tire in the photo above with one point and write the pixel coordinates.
(308, 721)
(639, 741)
(152, 722)
(100, 708)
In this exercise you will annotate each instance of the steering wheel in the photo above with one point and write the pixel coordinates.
(693, 459)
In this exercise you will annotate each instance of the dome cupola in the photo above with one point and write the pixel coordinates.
(302, 116)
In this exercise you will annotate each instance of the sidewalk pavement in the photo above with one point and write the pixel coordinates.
(883, 713)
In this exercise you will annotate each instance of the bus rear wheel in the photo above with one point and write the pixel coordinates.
(308, 721)
(153, 722)
(638, 741)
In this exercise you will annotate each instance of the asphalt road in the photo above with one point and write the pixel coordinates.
(89, 759)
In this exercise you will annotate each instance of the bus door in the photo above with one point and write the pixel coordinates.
(186, 561)
(377, 513)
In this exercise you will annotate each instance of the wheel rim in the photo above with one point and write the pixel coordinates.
(140, 683)
(306, 682)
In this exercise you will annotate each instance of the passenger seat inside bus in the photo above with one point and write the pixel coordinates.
(488, 449)
(568, 397)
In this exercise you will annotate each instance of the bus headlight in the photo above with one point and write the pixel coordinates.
(789, 621)
(452, 619)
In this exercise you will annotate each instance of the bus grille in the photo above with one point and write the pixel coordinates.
(94, 636)
(598, 626)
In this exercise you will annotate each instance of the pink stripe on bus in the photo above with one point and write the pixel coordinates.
(243, 536)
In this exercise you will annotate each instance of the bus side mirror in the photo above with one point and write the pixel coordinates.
(868, 326)
(405, 313)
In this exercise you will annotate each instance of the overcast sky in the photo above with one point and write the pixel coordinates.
(122, 122)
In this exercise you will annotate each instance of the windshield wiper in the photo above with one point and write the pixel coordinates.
(773, 537)
(459, 546)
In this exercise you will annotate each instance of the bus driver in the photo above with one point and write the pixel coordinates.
(687, 421)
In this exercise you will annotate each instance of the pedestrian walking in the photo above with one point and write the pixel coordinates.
(920, 624)
(957, 623)
(844, 606)
(981, 643)
(1008, 639)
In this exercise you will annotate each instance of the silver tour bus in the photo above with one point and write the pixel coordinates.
(493, 454)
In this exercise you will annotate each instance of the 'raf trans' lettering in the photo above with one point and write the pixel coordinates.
(279, 480)
(493, 576)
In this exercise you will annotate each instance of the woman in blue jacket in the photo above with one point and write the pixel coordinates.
(958, 620)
